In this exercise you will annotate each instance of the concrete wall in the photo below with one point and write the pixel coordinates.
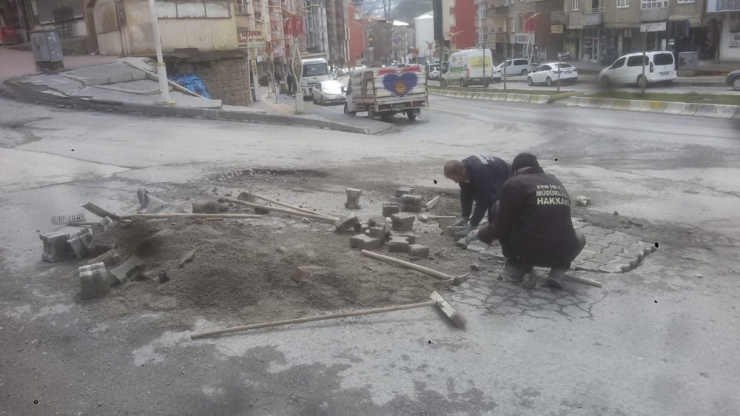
(225, 79)
(729, 44)
(137, 38)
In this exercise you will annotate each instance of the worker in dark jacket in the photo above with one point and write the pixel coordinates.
(481, 178)
(533, 225)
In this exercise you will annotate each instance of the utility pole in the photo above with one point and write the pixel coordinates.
(164, 86)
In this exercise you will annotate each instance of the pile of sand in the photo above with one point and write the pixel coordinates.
(245, 268)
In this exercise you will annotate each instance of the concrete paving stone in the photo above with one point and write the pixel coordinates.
(398, 245)
(364, 242)
(410, 237)
(378, 232)
(56, 247)
(78, 247)
(403, 221)
(632, 262)
(396, 200)
(452, 230)
(411, 203)
(129, 270)
(404, 191)
(476, 249)
(418, 250)
(589, 266)
(353, 198)
(377, 222)
(612, 250)
(614, 268)
(347, 224)
(462, 243)
(602, 258)
(390, 208)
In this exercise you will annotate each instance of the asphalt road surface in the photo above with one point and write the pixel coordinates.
(661, 340)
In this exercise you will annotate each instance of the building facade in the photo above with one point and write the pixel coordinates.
(463, 33)
(317, 36)
(357, 34)
(424, 35)
(723, 20)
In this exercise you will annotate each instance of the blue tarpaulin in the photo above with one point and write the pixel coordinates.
(192, 82)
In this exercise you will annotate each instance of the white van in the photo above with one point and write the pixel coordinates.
(515, 67)
(659, 67)
(471, 66)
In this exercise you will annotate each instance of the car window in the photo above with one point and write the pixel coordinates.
(543, 68)
(636, 60)
(663, 59)
(312, 70)
(565, 65)
(619, 63)
(520, 62)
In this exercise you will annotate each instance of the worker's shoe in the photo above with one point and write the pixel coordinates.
(516, 274)
(530, 281)
(555, 278)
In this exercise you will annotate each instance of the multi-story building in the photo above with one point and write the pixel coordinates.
(317, 37)
(424, 35)
(463, 33)
(338, 32)
(599, 31)
(723, 29)
(357, 34)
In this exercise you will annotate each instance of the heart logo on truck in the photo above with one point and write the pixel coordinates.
(400, 85)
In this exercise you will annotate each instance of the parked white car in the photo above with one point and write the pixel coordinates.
(329, 91)
(548, 74)
(659, 67)
(515, 67)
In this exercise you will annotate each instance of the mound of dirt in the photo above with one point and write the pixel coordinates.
(245, 269)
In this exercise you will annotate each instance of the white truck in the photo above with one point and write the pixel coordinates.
(314, 70)
(387, 91)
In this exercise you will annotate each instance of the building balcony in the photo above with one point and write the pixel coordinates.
(559, 18)
(496, 4)
(654, 15)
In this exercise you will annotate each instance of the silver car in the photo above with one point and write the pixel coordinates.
(329, 91)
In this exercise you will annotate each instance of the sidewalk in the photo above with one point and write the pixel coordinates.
(130, 85)
(16, 63)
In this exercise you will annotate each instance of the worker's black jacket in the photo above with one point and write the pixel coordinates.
(534, 217)
(486, 176)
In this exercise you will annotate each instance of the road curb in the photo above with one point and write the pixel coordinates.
(13, 90)
(492, 96)
(656, 107)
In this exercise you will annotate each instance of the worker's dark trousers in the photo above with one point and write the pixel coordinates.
(513, 260)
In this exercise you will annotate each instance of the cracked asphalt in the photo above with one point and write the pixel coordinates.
(659, 340)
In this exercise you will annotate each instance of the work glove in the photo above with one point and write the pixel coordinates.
(461, 221)
(472, 237)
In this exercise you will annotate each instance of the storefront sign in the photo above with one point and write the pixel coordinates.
(252, 38)
(556, 29)
(653, 27)
(525, 38)
(575, 27)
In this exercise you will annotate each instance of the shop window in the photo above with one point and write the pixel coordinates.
(734, 22)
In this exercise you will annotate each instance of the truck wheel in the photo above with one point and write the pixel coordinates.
(411, 115)
(524, 72)
(548, 82)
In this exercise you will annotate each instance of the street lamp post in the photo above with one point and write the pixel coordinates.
(164, 87)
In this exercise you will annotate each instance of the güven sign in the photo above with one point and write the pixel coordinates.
(252, 38)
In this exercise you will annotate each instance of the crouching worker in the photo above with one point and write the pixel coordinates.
(533, 224)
